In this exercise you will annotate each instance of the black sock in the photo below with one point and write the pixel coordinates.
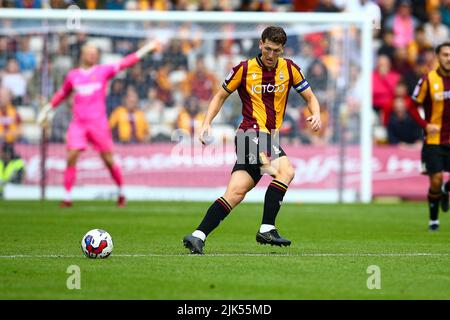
(272, 201)
(447, 186)
(433, 204)
(216, 213)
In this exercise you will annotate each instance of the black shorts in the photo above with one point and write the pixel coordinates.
(249, 145)
(435, 158)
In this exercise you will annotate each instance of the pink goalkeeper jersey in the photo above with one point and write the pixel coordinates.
(89, 87)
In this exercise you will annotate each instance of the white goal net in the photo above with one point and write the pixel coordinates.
(172, 90)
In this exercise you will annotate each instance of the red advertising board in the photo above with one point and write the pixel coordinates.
(396, 170)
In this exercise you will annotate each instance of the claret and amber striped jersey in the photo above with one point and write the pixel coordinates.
(433, 93)
(264, 93)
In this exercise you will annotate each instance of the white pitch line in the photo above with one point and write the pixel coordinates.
(417, 254)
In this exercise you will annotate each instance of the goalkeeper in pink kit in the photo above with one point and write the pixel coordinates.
(88, 83)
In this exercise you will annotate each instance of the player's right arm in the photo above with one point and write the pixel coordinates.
(213, 109)
(419, 95)
(47, 111)
(231, 83)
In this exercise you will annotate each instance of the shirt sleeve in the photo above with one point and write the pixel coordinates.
(420, 91)
(298, 79)
(414, 112)
(126, 62)
(233, 79)
(62, 93)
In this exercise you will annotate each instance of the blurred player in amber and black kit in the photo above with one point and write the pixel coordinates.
(432, 92)
(263, 84)
(90, 122)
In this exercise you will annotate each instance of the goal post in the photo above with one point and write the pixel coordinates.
(347, 53)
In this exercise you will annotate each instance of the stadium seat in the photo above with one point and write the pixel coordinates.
(153, 116)
(31, 132)
(160, 129)
(36, 43)
(177, 76)
(27, 114)
(170, 115)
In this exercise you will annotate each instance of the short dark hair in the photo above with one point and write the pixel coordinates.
(274, 34)
(442, 45)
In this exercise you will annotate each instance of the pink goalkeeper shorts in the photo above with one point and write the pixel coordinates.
(98, 133)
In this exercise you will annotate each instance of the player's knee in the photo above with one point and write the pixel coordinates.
(435, 187)
(109, 162)
(436, 182)
(72, 160)
(235, 196)
(286, 174)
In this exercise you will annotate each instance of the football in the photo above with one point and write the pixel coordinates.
(97, 243)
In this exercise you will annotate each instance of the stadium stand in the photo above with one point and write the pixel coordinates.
(407, 51)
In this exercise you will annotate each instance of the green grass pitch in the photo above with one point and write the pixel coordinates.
(333, 246)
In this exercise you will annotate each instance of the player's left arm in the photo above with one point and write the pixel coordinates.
(47, 111)
(301, 85)
(314, 109)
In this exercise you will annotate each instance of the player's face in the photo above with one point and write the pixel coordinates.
(90, 56)
(270, 52)
(444, 58)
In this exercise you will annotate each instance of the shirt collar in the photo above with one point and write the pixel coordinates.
(442, 73)
(261, 64)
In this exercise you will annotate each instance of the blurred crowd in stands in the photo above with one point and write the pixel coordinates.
(171, 90)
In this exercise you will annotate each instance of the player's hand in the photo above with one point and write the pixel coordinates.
(151, 46)
(205, 133)
(432, 129)
(45, 115)
(315, 122)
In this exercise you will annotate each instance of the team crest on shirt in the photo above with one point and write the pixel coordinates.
(281, 75)
(254, 76)
(436, 86)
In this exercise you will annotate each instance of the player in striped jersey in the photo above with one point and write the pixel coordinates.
(263, 84)
(432, 92)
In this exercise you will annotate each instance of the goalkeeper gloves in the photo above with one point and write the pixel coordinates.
(45, 114)
(152, 46)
